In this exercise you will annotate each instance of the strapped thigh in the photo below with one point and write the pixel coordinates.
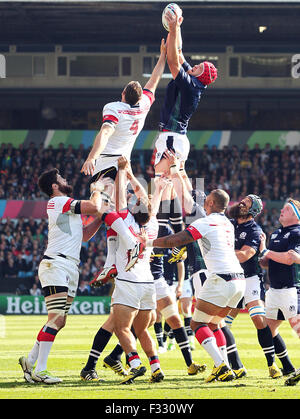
(56, 304)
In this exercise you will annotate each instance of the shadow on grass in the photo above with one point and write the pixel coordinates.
(171, 383)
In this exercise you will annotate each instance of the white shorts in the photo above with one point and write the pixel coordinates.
(172, 140)
(197, 283)
(105, 162)
(253, 289)
(187, 290)
(140, 296)
(59, 272)
(284, 300)
(163, 289)
(221, 293)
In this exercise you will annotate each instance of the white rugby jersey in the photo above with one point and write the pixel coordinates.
(215, 235)
(64, 228)
(141, 271)
(128, 122)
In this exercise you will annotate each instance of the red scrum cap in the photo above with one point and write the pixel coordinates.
(209, 73)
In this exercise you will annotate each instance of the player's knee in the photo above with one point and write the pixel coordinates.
(186, 310)
(174, 321)
(153, 318)
(200, 317)
(295, 323)
(193, 325)
(170, 311)
(258, 316)
(61, 323)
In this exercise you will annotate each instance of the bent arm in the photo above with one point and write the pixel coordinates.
(98, 146)
(245, 253)
(286, 258)
(93, 206)
(174, 240)
(91, 229)
(137, 187)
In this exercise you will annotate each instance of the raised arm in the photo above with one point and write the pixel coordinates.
(181, 186)
(158, 69)
(160, 185)
(121, 184)
(174, 44)
(137, 187)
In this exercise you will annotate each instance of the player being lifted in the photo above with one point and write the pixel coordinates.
(122, 123)
(181, 101)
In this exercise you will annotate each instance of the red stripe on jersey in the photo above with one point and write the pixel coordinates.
(111, 217)
(67, 205)
(150, 95)
(132, 231)
(194, 232)
(110, 118)
(110, 232)
(123, 213)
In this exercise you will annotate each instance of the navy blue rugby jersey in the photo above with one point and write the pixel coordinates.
(282, 240)
(159, 265)
(248, 234)
(194, 261)
(181, 100)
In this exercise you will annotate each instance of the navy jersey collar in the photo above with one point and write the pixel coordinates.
(246, 224)
(290, 227)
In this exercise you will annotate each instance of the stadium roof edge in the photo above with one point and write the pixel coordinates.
(155, 1)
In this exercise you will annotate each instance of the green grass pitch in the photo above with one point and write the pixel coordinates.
(71, 349)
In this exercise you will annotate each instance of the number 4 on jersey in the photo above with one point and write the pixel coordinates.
(134, 127)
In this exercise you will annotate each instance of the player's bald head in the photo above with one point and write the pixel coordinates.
(217, 201)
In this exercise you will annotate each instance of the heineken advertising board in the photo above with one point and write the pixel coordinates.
(27, 304)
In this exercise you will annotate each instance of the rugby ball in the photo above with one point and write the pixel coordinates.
(172, 7)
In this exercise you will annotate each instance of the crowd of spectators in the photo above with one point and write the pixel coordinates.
(270, 173)
(22, 244)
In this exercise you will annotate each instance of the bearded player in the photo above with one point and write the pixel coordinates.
(247, 243)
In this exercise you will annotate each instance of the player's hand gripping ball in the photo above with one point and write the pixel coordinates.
(171, 7)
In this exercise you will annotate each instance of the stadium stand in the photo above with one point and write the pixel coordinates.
(51, 101)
